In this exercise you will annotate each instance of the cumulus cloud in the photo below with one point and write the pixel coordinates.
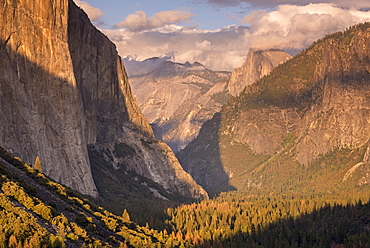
(296, 27)
(287, 27)
(222, 49)
(139, 21)
(254, 17)
(93, 12)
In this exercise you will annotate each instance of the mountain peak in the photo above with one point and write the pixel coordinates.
(258, 64)
(151, 59)
(187, 64)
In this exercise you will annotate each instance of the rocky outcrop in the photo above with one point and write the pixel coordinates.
(257, 65)
(178, 98)
(64, 88)
(340, 114)
(264, 130)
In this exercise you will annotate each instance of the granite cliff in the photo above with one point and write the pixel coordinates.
(257, 65)
(64, 92)
(41, 111)
(308, 119)
(178, 98)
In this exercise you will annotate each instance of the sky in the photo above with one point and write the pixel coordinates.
(218, 33)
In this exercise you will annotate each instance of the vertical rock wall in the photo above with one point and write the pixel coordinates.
(340, 116)
(108, 103)
(40, 103)
(257, 65)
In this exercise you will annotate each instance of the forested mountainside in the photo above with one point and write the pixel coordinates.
(65, 94)
(293, 152)
(178, 98)
(36, 211)
(302, 127)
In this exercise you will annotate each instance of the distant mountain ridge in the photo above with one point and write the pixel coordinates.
(177, 98)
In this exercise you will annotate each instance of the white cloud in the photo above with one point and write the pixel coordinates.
(93, 12)
(204, 45)
(222, 49)
(253, 17)
(288, 27)
(296, 27)
(139, 21)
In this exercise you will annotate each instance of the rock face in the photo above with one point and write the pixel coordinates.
(257, 65)
(64, 89)
(340, 114)
(308, 119)
(41, 112)
(178, 98)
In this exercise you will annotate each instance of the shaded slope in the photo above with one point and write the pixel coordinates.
(205, 163)
(37, 211)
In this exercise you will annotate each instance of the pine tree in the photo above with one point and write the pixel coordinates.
(37, 165)
(125, 216)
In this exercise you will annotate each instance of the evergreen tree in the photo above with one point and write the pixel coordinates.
(37, 165)
(125, 216)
